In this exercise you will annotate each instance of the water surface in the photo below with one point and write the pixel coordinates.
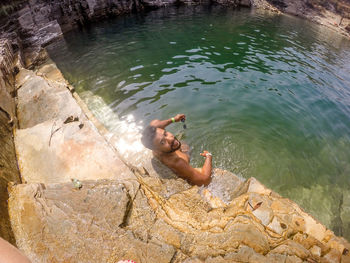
(267, 94)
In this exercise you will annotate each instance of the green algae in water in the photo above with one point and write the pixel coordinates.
(267, 94)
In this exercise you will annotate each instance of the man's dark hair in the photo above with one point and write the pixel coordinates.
(148, 135)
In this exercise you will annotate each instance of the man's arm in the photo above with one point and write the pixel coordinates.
(193, 176)
(10, 254)
(162, 124)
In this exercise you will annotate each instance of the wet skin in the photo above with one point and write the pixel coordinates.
(166, 144)
(169, 150)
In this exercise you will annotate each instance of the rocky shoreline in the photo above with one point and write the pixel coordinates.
(131, 208)
(127, 208)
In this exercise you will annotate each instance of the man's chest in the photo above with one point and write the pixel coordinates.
(170, 160)
(182, 156)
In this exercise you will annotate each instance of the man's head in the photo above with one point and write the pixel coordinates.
(160, 140)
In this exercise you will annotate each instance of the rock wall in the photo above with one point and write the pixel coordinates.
(34, 24)
(8, 164)
(38, 22)
(334, 14)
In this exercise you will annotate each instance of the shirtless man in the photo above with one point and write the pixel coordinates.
(168, 149)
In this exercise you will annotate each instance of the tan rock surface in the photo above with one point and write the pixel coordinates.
(39, 102)
(57, 223)
(56, 141)
(71, 152)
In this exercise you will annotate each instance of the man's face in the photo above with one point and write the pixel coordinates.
(165, 141)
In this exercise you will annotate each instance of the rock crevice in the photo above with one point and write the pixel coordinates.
(8, 163)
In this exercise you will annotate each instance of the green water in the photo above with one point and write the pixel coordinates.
(267, 94)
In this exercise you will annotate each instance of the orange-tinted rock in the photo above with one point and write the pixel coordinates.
(333, 256)
(292, 248)
(83, 225)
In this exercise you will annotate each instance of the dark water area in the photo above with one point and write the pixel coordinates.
(267, 94)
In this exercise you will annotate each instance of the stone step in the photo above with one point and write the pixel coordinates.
(38, 101)
(56, 142)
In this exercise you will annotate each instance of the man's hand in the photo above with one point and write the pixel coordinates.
(179, 117)
(206, 154)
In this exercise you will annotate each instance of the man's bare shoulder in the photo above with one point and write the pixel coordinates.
(183, 169)
(168, 159)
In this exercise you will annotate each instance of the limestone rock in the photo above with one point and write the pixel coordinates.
(293, 259)
(256, 187)
(260, 206)
(316, 251)
(292, 248)
(38, 101)
(163, 232)
(56, 141)
(332, 256)
(226, 186)
(325, 13)
(75, 150)
(193, 260)
(314, 228)
(246, 254)
(55, 223)
(8, 173)
(310, 242)
(276, 226)
(276, 258)
(141, 218)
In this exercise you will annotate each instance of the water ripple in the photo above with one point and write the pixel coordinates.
(267, 94)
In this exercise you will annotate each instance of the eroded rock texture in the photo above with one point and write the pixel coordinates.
(88, 225)
(107, 221)
(8, 165)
